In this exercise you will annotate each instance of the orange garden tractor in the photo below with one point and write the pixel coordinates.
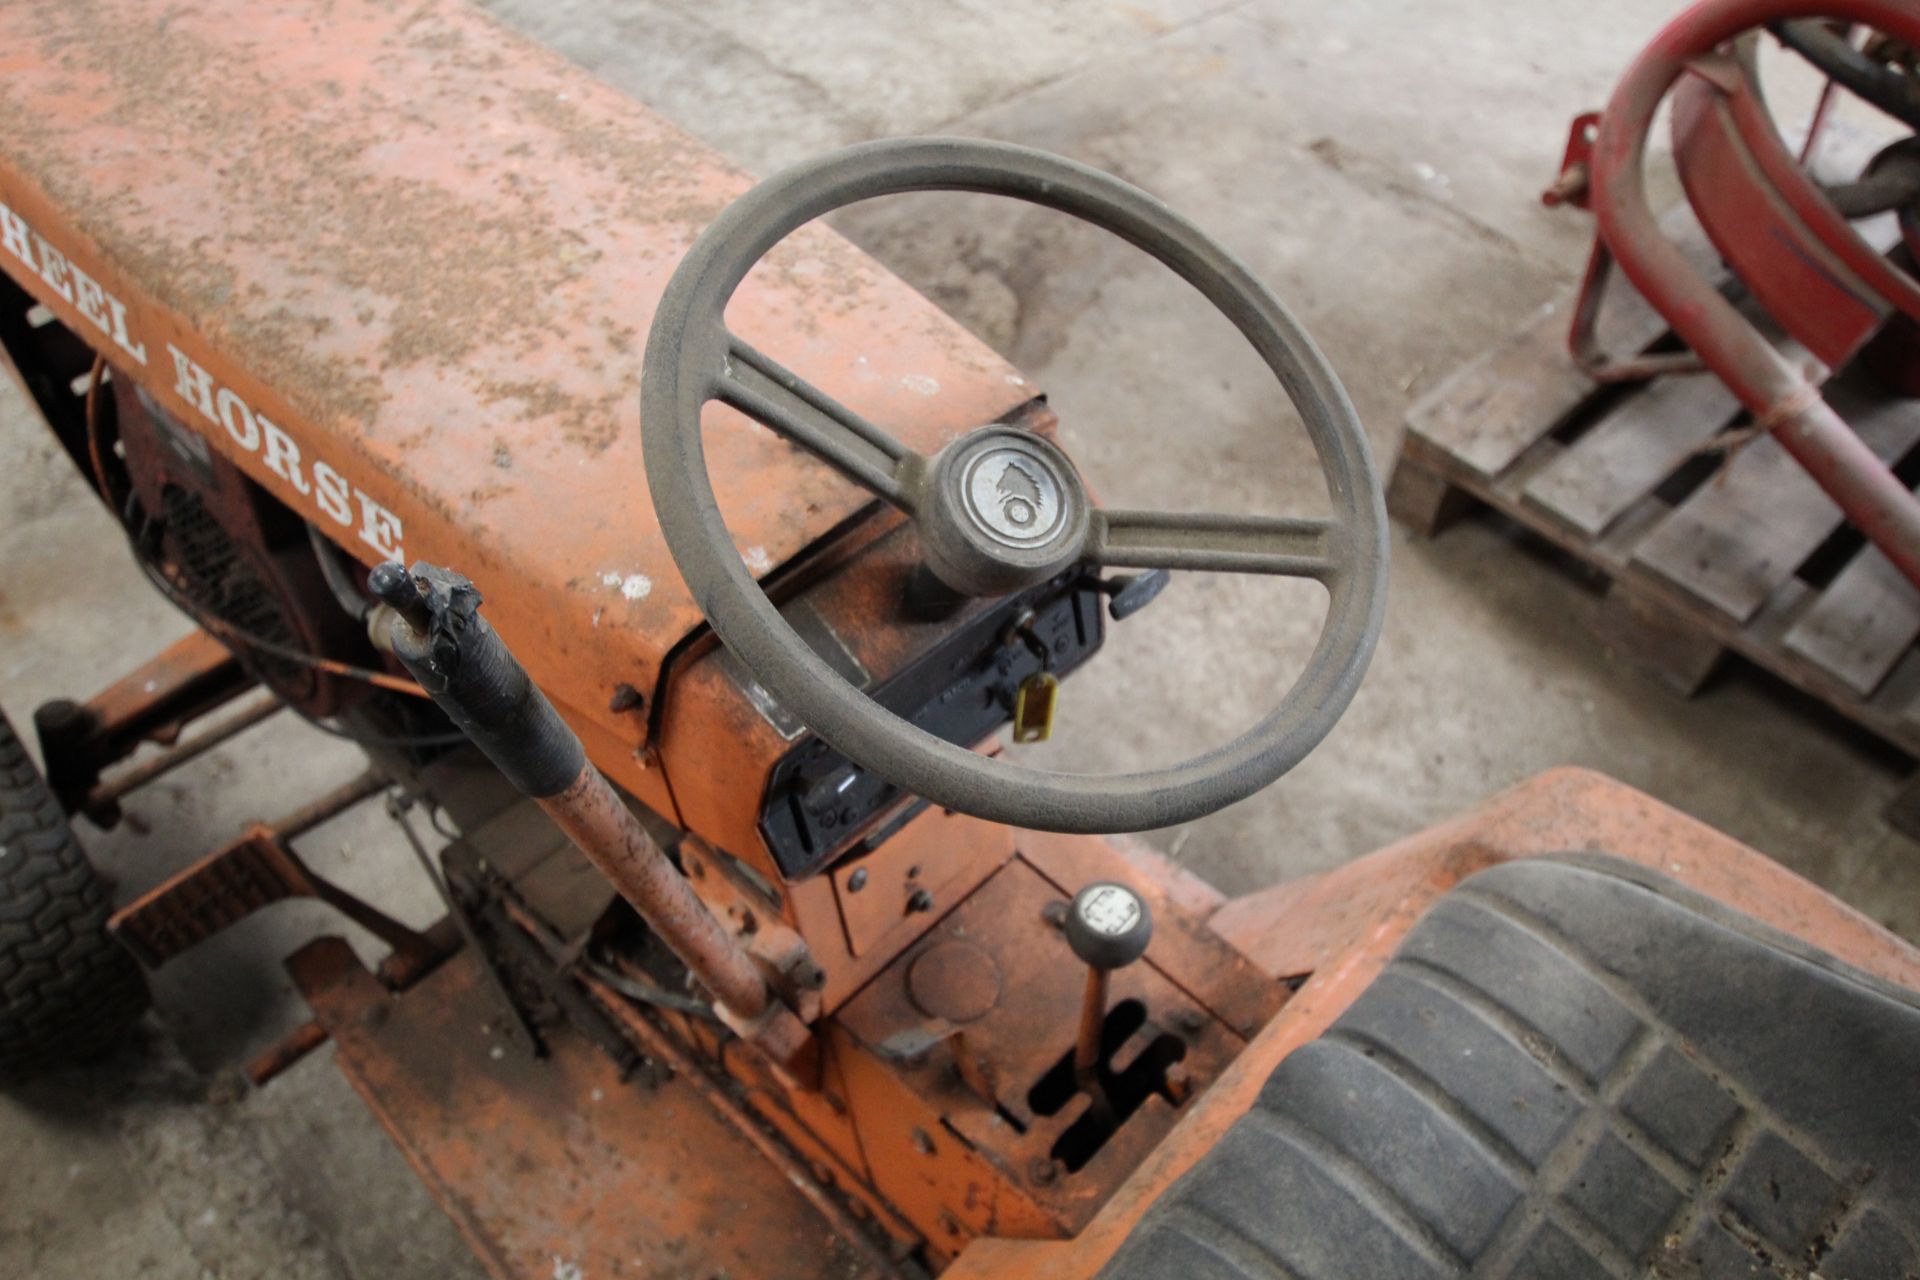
(459, 400)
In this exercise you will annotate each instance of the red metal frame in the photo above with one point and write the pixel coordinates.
(1778, 395)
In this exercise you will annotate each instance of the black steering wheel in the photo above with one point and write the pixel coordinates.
(999, 508)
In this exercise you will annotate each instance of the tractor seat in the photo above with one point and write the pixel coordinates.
(1573, 1067)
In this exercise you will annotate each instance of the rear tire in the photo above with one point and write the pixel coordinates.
(67, 991)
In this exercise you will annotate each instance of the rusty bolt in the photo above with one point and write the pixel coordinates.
(625, 698)
(1042, 1171)
(1192, 1020)
(921, 1142)
(920, 900)
(821, 1173)
(857, 881)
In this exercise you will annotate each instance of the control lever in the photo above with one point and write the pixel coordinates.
(1129, 593)
(1108, 926)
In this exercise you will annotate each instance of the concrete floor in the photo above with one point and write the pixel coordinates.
(1375, 161)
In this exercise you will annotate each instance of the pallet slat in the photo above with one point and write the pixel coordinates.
(1746, 531)
(1626, 454)
(1489, 412)
(1863, 622)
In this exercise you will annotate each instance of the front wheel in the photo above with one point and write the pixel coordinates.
(67, 991)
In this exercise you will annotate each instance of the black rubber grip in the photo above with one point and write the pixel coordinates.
(469, 671)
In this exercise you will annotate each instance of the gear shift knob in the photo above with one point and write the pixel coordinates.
(1108, 926)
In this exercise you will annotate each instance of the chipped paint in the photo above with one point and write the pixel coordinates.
(920, 384)
(634, 586)
(757, 560)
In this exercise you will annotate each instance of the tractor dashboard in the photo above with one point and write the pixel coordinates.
(820, 806)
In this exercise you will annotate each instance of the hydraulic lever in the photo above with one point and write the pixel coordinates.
(431, 622)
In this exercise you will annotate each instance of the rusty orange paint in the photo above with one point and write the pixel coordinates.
(1342, 927)
(194, 661)
(915, 1116)
(593, 816)
(560, 1167)
(909, 1132)
(986, 1162)
(425, 252)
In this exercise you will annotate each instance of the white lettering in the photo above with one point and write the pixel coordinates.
(238, 420)
(253, 432)
(138, 350)
(53, 267)
(90, 298)
(330, 491)
(379, 527)
(195, 384)
(282, 455)
(106, 312)
(13, 234)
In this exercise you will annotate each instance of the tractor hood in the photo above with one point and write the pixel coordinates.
(399, 264)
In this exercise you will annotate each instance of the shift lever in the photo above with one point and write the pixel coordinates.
(1108, 927)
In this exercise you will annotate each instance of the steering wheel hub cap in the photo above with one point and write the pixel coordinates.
(1013, 496)
(1002, 509)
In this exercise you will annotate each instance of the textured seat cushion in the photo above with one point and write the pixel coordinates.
(1573, 1067)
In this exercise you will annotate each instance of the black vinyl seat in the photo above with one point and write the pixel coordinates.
(1573, 1068)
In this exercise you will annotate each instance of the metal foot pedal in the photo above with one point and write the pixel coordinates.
(255, 871)
(213, 894)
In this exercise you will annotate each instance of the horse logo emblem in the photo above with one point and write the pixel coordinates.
(1019, 496)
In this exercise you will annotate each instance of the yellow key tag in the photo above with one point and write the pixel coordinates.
(1033, 707)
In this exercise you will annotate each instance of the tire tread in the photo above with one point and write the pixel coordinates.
(67, 990)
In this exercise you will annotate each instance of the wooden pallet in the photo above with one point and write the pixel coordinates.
(1705, 550)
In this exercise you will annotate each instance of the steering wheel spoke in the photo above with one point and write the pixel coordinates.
(795, 409)
(1284, 546)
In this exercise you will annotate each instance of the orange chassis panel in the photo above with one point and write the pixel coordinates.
(399, 263)
(1341, 927)
(1330, 934)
